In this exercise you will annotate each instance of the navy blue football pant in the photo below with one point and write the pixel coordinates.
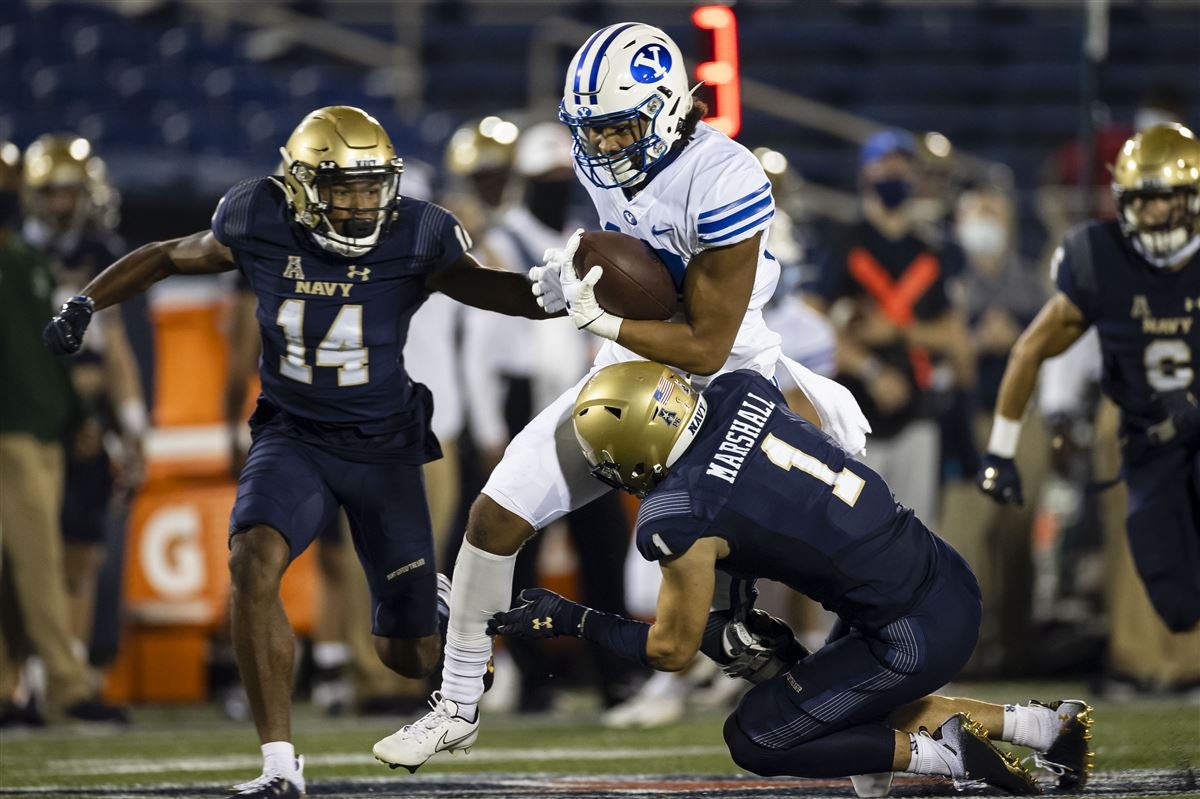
(826, 716)
(1163, 523)
(296, 488)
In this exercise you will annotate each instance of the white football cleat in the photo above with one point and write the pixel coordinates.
(439, 730)
(872, 785)
(660, 702)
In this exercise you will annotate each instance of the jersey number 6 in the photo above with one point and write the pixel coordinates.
(846, 484)
(342, 346)
(1168, 364)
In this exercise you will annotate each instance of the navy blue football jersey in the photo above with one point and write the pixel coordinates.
(1147, 318)
(334, 327)
(793, 506)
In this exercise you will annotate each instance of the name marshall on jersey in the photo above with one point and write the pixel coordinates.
(740, 438)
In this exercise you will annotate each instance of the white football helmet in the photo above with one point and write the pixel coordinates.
(623, 73)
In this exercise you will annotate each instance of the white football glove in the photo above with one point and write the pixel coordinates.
(547, 284)
(585, 310)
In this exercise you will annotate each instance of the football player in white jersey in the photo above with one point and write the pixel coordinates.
(703, 203)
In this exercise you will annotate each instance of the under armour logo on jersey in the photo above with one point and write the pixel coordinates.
(629, 217)
(1141, 308)
(543, 624)
(353, 271)
(293, 270)
(650, 63)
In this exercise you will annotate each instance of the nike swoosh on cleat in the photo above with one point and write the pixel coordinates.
(444, 744)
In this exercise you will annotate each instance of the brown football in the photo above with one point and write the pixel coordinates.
(635, 284)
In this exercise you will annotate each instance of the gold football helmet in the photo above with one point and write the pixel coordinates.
(10, 166)
(1161, 163)
(64, 161)
(633, 420)
(488, 144)
(332, 150)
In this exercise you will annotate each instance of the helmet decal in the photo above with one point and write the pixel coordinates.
(650, 64)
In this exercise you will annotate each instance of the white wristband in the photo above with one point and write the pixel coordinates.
(133, 417)
(1005, 433)
(605, 325)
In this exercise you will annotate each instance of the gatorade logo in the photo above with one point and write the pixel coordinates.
(170, 552)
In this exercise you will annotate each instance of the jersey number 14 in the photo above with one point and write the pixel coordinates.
(342, 348)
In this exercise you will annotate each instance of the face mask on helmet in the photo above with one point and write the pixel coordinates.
(617, 150)
(348, 208)
(342, 178)
(1164, 227)
(625, 99)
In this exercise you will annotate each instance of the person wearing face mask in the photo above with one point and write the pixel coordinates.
(504, 385)
(1002, 296)
(885, 289)
(37, 409)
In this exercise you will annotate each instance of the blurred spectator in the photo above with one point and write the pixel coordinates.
(1003, 295)
(68, 207)
(535, 364)
(885, 289)
(37, 408)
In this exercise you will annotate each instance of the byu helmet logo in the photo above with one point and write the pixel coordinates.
(650, 63)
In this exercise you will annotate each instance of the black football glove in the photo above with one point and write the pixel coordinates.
(63, 334)
(1182, 414)
(999, 480)
(539, 614)
(755, 646)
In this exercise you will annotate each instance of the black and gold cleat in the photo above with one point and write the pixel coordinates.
(982, 762)
(1069, 758)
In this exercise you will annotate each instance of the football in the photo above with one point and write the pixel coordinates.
(635, 284)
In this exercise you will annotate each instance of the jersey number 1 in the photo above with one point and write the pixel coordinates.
(846, 484)
(341, 348)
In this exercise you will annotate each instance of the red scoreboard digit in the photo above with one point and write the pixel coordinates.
(722, 72)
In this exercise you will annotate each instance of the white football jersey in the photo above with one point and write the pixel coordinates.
(713, 194)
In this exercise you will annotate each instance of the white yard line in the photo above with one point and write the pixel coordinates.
(98, 766)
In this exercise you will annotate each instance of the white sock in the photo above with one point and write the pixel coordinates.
(933, 757)
(279, 757)
(1030, 725)
(482, 585)
(664, 685)
(330, 654)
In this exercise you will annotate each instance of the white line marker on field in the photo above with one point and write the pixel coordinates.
(98, 766)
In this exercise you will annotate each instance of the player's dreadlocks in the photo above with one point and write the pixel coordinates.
(688, 128)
